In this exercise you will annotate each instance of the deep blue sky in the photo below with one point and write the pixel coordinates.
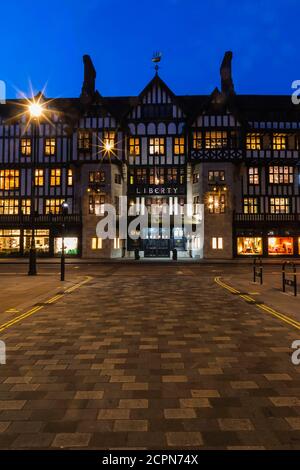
(44, 41)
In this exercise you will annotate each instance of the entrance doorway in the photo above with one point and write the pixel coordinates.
(156, 248)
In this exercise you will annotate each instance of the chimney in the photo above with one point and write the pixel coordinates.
(227, 86)
(88, 87)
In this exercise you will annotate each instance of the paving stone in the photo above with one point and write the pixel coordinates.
(184, 439)
(133, 403)
(113, 366)
(131, 425)
(195, 403)
(179, 413)
(76, 439)
(227, 424)
(89, 395)
(114, 414)
(4, 425)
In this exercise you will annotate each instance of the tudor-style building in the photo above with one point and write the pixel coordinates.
(236, 156)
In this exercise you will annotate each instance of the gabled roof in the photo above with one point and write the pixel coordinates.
(156, 80)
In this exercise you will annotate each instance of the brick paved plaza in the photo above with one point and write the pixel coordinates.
(149, 357)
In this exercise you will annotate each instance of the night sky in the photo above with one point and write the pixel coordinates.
(44, 42)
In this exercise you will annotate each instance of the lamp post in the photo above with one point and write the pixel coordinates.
(64, 210)
(35, 111)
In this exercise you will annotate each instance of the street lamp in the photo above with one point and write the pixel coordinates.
(64, 210)
(35, 111)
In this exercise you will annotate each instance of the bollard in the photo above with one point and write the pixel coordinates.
(136, 254)
(289, 282)
(174, 254)
(258, 270)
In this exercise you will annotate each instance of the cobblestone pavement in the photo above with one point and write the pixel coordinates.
(150, 357)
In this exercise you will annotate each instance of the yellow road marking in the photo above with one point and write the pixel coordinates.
(290, 321)
(33, 310)
(19, 318)
(53, 299)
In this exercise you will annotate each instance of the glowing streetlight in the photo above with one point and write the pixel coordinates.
(35, 109)
(108, 147)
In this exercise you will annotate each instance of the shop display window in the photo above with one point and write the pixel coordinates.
(249, 246)
(280, 246)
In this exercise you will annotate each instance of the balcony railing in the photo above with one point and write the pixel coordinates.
(20, 219)
(239, 217)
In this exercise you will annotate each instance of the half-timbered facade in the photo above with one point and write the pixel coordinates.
(231, 161)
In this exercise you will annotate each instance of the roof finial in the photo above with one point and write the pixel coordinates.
(156, 58)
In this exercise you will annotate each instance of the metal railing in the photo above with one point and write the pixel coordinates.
(40, 219)
(240, 217)
(289, 278)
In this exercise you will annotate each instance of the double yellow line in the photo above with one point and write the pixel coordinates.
(265, 308)
(33, 310)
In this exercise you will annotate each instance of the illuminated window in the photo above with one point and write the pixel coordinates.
(279, 142)
(26, 206)
(41, 239)
(249, 246)
(96, 202)
(216, 175)
(84, 140)
(26, 147)
(70, 177)
(217, 243)
(196, 205)
(253, 175)
(9, 179)
(116, 243)
(134, 146)
(131, 176)
(250, 205)
(50, 146)
(9, 206)
(178, 145)
(53, 206)
(141, 175)
(9, 241)
(109, 139)
(196, 177)
(96, 243)
(182, 176)
(279, 205)
(55, 177)
(215, 139)
(39, 177)
(97, 177)
(157, 146)
(70, 245)
(157, 176)
(197, 140)
(281, 174)
(216, 203)
(280, 246)
(172, 175)
(253, 141)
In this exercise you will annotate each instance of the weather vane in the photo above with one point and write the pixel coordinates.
(156, 58)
